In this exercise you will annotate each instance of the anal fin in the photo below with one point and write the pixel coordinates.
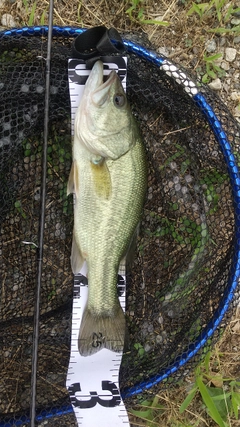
(73, 183)
(77, 259)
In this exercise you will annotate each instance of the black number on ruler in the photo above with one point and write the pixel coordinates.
(120, 285)
(97, 339)
(79, 280)
(74, 64)
(114, 400)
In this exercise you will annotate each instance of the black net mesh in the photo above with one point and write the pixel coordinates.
(180, 276)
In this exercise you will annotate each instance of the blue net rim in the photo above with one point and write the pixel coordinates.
(216, 126)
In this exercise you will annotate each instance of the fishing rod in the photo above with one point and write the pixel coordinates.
(42, 221)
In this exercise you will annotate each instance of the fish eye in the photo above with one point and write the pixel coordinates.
(119, 100)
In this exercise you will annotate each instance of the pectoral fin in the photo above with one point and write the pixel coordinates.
(101, 179)
(77, 259)
(73, 183)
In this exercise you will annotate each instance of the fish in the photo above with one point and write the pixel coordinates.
(108, 177)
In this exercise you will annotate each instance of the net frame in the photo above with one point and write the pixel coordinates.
(199, 99)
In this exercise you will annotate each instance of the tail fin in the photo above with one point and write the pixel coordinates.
(97, 332)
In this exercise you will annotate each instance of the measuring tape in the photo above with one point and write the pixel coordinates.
(93, 381)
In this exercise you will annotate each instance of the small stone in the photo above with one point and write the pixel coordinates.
(235, 21)
(6, 126)
(39, 89)
(150, 328)
(173, 165)
(147, 348)
(230, 54)
(53, 90)
(8, 21)
(211, 46)
(159, 339)
(215, 84)
(176, 179)
(237, 111)
(184, 190)
(163, 51)
(195, 207)
(188, 178)
(235, 96)
(24, 88)
(222, 41)
(225, 65)
(236, 40)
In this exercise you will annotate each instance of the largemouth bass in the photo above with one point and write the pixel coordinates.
(108, 177)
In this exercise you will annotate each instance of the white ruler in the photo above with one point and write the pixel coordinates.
(93, 381)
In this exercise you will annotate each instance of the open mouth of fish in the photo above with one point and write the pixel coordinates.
(100, 84)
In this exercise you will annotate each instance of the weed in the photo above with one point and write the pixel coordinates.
(19, 209)
(212, 69)
(137, 13)
(180, 152)
(52, 293)
(30, 11)
(140, 349)
(219, 9)
(149, 411)
(183, 230)
(42, 19)
(210, 181)
(199, 9)
(221, 401)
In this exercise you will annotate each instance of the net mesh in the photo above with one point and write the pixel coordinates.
(180, 277)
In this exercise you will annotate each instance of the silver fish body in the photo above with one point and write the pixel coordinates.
(108, 177)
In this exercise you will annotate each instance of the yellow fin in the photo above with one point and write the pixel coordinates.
(101, 179)
(98, 331)
(73, 183)
(77, 259)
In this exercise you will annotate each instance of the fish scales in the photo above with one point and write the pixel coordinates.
(105, 239)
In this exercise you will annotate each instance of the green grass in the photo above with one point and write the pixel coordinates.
(137, 12)
(212, 396)
(221, 403)
(221, 10)
(212, 69)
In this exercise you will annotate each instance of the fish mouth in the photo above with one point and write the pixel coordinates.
(101, 88)
(96, 79)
